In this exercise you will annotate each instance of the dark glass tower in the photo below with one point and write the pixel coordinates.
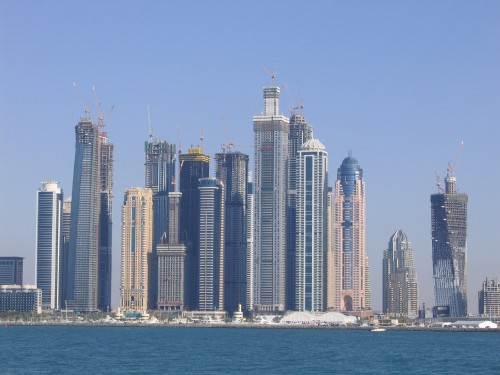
(105, 221)
(192, 166)
(300, 132)
(449, 247)
(84, 236)
(232, 170)
(159, 177)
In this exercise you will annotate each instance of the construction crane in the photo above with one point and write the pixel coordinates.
(150, 127)
(102, 119)
(438, 183)
(451, 167)
(86, 107)
(271, 73)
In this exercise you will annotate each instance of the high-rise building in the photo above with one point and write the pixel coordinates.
(85, 212)
(271, 150)
(211, 242)
(171, 254)
(11, 271)
(105, 221)
(192, 166)
(300, 132)
(160, 178)
(330, 257)
(48, 243)
(250, 248)
(311, 226)
(489, 298)
(449, 247)
(399, 292)
(232, 170)
(137, 245)
(351, 276)
(65, 231)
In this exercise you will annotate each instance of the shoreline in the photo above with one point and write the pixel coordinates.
(242, 326)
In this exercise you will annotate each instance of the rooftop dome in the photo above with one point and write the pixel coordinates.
(350, 161)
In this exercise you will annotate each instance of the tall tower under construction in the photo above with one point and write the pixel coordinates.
(449, 246)
(271, 150)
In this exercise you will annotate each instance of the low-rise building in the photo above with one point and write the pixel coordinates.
(20, 298)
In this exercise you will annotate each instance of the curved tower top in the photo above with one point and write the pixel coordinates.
(348, 172)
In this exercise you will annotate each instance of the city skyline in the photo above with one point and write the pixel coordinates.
(412, 80)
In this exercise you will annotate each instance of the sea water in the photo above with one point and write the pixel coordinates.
(171, 350)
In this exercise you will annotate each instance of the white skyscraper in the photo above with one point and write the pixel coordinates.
(48, 243)
(311, 226)
(271, 149)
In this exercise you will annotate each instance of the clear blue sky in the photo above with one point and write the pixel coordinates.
(401, 83)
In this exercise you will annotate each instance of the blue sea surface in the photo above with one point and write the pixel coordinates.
(171, 350)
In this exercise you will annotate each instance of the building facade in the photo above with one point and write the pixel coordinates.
(489, 298)
(399, 289)
(48, 243)
(351, 284)
(449, 247)
(250, 247)
(11, 271)
(85, 212)
(300, 132)
(211, 241)
(160, 178)
(137, 246)
(65, 232)
(20, 298)
(170, 255)
(271, 150)
(105, 221)
(311, 227)
(232, 170)
(192, 166)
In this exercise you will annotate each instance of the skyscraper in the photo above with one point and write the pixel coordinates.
(489, 298)
(160, 178)
(311, 226)
(271, 149)
(65, 231)
(105, 220)
(211, 242)
(48, 243)
(171, 254)
(137, 245)
(85, 210)
(300, 132)
(449, 247)
(250, 248)
(351, 284)
(193, 166)
(399, 277)
(232, 170)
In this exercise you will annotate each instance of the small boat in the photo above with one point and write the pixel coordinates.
(378, 329)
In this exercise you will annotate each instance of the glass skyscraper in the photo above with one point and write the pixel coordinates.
(85, 210)
(193, 166)
(449, 247)
(311, 227)
(351, 283)
(271, 150)
(399, 293)
(232, 170)
(211, 244)
(300, 132)
(159, 176)
(48, 243)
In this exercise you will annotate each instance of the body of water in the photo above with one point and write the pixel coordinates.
(171, 350)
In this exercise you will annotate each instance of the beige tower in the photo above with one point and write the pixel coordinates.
(350, 277)
(137, 245)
